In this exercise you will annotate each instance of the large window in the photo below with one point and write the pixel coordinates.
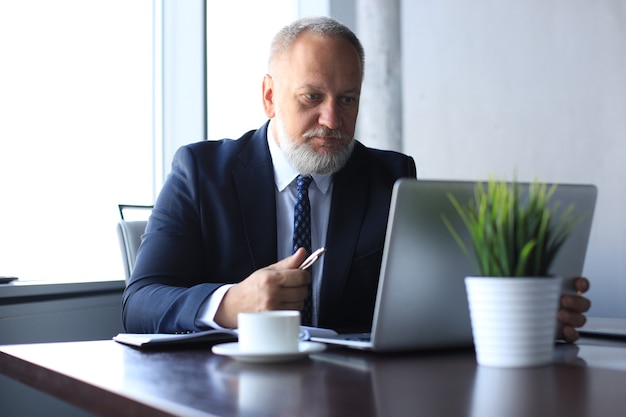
(75, 133)
(94, 100)
(237, 47)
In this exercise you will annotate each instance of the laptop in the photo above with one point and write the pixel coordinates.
(421, 301)
(606, 327)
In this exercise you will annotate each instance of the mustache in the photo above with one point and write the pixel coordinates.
(325, 132)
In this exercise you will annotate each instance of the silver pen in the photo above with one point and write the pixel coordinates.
(312, 258)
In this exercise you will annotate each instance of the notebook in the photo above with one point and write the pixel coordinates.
(421, 301)
(204, 338)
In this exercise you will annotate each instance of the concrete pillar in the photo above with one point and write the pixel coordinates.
(380, 115)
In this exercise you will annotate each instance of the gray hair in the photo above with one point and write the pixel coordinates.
(322, 25)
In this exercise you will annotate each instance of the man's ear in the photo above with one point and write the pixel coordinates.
(268, 96)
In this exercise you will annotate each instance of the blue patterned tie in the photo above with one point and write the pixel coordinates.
(302, 233)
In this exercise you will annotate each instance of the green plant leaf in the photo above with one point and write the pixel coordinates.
(512, 234)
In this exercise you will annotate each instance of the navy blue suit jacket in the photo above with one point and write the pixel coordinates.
(214, 222)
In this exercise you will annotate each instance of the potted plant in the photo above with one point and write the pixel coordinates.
(515, 233)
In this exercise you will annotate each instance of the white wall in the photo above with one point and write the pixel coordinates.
(534, 86)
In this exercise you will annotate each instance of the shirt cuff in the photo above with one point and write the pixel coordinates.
(206, 315)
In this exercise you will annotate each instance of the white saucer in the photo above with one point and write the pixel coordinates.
(232, 350)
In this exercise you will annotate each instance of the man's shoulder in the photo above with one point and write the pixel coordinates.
(359, 147)
(249, 146)
(225, 144)
(386, 158)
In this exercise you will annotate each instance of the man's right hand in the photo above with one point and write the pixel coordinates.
(281, 286)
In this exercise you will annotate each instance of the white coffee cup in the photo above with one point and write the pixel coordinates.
(269, 331)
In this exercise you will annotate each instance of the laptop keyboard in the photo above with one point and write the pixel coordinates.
(359, 337)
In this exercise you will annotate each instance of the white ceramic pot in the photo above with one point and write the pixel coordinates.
(513, 319)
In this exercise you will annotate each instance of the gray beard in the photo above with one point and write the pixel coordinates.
(305, 160)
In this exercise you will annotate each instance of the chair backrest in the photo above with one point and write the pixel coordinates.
(129, 234)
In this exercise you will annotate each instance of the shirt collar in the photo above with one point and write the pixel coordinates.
(284, 172)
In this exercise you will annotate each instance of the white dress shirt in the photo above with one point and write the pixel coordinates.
(320, 192)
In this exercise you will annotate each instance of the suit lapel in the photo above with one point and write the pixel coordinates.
(350, 194)
(254, 179)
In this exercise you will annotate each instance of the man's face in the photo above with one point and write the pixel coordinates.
(313, 96)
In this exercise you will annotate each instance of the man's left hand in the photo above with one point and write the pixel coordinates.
(571, 311)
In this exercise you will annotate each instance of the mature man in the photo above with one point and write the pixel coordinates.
(220, 238)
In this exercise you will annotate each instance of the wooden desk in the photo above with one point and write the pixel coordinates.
(110, 379)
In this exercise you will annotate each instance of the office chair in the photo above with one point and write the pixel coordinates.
(129, 233)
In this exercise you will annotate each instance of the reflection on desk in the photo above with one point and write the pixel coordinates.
(108, 378)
